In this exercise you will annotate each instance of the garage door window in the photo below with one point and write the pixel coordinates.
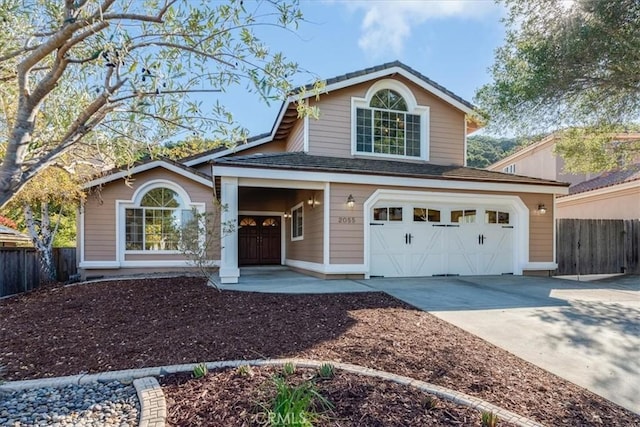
(497, 217)
(387, 214)
(463, 216)
(424, 215)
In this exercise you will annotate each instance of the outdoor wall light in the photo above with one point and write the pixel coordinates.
(287, 215)
(312, 201)
(351, 202)
(542, 209)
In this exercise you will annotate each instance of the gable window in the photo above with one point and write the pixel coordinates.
(510, 169)
(297, 217)
(388, 123)
(156, 224)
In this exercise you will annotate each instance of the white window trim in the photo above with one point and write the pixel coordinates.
(134, 203)
(295, 208)
(412, 108)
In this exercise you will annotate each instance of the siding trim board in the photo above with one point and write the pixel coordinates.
(147, 166)
(264, 177)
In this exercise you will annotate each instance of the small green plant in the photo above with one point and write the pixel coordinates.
(326, 371)
(489, 419)
(244, 371)
(296, 405)
(200, 371)
(430, 402)
(288, 369)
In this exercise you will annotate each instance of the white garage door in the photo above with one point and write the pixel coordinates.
(412, 239)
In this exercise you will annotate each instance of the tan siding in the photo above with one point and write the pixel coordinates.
(295, 142)
(331, 134)
(100, 211)
(624, 204)
(310, 248)
(540, 227)
(347, 240)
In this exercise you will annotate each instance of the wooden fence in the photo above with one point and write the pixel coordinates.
(598, 246)
(20, 268)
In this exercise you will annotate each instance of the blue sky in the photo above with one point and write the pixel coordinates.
(450, 41)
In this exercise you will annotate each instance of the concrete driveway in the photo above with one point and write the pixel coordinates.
(585, 332)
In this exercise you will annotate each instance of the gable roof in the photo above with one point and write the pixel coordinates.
(305, 162)
(171, 165)
(549, 140)
(335, 83)
(608, 179)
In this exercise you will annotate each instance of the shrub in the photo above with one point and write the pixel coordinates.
(295, 405)
(244, 371)
(489, 419)
(288, 369)
(200, 371)
(326, 371)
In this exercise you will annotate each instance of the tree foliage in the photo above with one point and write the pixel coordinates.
(44, 204)
(483, 150)
(121, 74)
(569, 65)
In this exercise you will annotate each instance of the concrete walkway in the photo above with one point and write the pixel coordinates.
(587, 332)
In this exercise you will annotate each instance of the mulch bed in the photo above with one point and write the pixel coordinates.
(228, 398)
(141, 323)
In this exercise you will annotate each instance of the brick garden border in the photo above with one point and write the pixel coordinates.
(153, 407)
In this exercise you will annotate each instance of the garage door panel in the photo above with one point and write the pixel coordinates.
(456, 240)
(388, 250)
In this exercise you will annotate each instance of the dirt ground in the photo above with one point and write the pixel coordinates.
(142, 323)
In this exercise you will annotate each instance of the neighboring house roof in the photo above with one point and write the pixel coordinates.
(172, 165)
(548, 140)
(8, 234)
(287, 113)
(608, 179)
(305, 162)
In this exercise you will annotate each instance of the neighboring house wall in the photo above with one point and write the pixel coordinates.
(310, 248)
(607, 203)
(100, 215)
(347, 240)
(331, 134)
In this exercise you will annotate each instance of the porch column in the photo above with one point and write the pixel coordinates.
(229, 271)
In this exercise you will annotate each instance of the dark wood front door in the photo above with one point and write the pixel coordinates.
(259, 240)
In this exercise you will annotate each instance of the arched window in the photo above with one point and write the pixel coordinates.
(156, 225)
(389, 123)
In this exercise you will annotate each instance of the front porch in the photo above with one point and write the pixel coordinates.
(275, 223)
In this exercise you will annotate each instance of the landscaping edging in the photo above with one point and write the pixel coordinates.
(152, 399)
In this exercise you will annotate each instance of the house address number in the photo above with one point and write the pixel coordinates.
(346, 220)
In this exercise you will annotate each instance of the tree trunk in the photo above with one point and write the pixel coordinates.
(42, 239)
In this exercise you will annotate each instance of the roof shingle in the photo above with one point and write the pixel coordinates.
(305, 162)
(607, 179)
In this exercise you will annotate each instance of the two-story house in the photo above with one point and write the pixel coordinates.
(608, 195)
(377, 186)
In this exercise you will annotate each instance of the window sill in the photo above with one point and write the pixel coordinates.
(389, 157)
(156, 252)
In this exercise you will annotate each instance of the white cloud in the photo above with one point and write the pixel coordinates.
(388, 24)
